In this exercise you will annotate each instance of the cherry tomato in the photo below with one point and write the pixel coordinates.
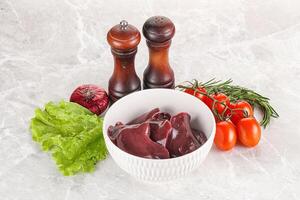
(226, 136)
(219, 107)
(249, 131)
(241, 106)
(197, 94)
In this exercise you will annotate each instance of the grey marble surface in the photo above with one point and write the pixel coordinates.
(47, 48)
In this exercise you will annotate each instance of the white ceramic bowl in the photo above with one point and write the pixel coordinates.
(171, 101)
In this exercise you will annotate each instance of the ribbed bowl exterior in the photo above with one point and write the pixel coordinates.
(158, 170)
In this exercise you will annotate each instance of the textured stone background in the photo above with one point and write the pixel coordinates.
(47, 48)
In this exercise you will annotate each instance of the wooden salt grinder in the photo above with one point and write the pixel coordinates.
(158, 31)
(123, 39)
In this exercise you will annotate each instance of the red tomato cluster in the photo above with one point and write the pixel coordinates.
(235, 120)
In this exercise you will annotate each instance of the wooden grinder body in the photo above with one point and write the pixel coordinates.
(123, 39)
(158, 31)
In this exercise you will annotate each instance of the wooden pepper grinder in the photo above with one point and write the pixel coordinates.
(158, 31)
(123, 39)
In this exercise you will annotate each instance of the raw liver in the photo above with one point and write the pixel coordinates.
(183, 141)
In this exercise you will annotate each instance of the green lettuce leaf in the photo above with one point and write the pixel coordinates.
(72, 134)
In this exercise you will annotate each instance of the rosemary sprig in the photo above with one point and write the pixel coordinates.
(235, 93)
